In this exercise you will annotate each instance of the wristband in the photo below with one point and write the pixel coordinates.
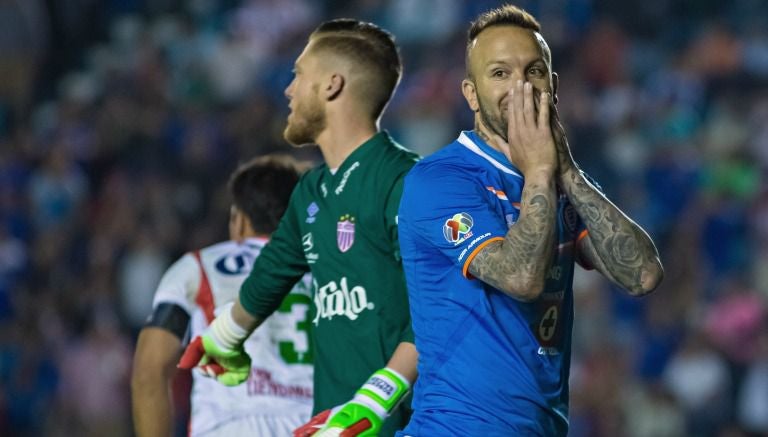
(226, 332)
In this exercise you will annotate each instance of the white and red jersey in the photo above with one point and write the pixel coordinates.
(278, 392)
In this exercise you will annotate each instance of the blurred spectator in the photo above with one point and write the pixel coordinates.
(138, 273)
(57, 190)
(95, 370)
(650, 411)
(23, 43)
(753, 399)
(699, 379)
(736, 321)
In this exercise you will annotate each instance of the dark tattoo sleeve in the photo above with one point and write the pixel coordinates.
(616, 246)
(518, 265)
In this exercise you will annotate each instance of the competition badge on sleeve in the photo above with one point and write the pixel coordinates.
(458, 228)
(345, 232)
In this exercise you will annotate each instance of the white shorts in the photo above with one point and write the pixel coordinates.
(258, 426)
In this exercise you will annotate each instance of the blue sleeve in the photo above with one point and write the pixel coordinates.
(449, 210)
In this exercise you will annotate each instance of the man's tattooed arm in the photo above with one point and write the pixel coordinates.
(616, 246)
(518, 264)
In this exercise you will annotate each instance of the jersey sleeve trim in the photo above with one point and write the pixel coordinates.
(581, 236)
(204, 297)
(465, 268)
(583, 262)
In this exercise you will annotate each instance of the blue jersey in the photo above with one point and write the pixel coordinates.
(489, 365)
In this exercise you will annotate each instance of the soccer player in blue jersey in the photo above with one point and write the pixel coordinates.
(490, 228)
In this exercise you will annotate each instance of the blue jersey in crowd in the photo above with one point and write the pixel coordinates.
(489, 365)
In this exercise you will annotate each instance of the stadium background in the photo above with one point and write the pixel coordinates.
(121, 119)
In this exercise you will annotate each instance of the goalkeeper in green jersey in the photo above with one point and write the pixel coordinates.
(341, 224)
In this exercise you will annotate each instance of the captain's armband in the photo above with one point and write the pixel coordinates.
(170, 317)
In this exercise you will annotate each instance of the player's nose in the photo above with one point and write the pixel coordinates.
(517, 74)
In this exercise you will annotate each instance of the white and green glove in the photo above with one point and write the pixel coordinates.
(364, 415)
(219, 353)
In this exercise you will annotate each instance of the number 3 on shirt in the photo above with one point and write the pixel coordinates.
(294, 344)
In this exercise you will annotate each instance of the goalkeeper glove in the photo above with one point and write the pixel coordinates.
(218, 352)
(364, 415)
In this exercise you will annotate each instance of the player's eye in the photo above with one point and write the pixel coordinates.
(536, 71)
(499, 74)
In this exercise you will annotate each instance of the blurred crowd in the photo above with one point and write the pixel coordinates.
(120, 121)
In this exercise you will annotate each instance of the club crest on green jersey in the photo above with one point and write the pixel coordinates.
(345, 232)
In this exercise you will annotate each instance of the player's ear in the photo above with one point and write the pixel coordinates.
(555, 85)
(237, 224)
(470, 94)
(334, 86)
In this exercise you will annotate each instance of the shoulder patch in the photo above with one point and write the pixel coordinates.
(458, 228)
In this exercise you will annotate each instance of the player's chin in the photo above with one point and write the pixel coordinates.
(296, 139)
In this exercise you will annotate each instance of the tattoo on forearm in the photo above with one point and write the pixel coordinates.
(525, 255)
(625, 251)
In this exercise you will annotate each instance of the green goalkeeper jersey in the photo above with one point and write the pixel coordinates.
(342, 226)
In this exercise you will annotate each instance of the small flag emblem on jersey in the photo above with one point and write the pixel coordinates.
(345, 233)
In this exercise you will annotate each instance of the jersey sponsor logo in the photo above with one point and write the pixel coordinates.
(555, 272)
(261, 383)
(235, 263)
(332, 300)
(345, 232)
(472, 244)
(458, 228)
(312, 210)
(548, 329)
(339, 189)
(307, 242)
(324, 189)
(548, 323)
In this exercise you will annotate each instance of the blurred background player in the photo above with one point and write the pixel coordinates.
(490, 228)
(341, 225)
(278, 394)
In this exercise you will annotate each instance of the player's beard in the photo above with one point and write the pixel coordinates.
(307, 121)
(495, 122)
